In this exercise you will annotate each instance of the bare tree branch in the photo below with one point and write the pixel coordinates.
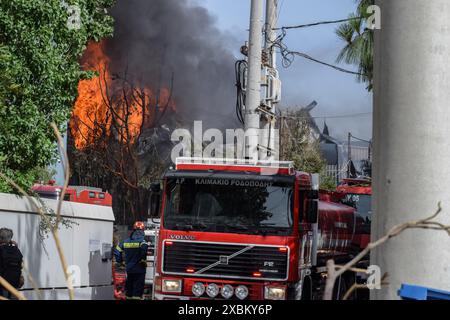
(65, 163)
(33, 282)
(5, 284)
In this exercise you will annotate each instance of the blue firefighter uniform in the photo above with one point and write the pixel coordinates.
(135, 251)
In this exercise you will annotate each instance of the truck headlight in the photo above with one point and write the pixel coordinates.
(198, 289)
(171, 286)
(212, 290)
(227, 291)
(275, 293)
(241, 292)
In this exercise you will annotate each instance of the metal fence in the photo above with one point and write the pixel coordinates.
(337, 173)
(359, 153)
(340, 171)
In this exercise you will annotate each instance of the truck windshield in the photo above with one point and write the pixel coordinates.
(229, 206)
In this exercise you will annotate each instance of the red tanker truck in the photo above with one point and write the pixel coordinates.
(358, 194)
(238, 231)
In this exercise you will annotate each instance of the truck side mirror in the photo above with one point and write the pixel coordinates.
(312, 211)
(154, 200)
(312, 202)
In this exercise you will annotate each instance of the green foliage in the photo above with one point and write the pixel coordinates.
(310, 160)
(327, 183)
(44, 174)
(359, 43)
(39, 75)
(307, 158)
(300, 146)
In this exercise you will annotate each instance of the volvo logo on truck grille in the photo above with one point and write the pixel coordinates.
(223, 260)
(181, 237)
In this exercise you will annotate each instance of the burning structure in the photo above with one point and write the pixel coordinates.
(166, 66)
(113, 104)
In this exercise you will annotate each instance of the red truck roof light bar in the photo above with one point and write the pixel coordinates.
(282, 167)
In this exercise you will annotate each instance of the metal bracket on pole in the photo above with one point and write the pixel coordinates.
(265, 110)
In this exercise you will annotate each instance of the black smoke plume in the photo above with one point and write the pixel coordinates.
(155, 39)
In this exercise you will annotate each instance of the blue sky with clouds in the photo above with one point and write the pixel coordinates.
(337, 93)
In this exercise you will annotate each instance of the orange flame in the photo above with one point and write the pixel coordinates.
(92, 117)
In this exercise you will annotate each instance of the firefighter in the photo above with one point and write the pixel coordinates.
(135, 251)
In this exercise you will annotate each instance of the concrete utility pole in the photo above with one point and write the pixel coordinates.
(271, 35)
(253, 100)
(272, 85)
(412, 141)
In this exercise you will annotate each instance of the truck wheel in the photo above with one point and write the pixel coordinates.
(307, 289)
(350, 280)
(340, 288)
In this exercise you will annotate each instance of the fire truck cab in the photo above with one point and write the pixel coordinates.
(234, 230)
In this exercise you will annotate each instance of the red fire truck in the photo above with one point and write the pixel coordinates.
(86, 195)
(358, 194)
(232, 231)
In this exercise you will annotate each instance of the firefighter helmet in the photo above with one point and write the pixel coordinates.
(138, 225)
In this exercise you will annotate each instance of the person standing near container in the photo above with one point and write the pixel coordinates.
(10, 262)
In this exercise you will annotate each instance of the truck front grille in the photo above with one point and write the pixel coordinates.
(225, 260)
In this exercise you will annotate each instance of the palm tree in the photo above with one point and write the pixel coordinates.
(359, 43)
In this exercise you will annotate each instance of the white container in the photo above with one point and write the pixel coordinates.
(86, 245)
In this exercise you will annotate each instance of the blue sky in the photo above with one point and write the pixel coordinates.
(338, 94)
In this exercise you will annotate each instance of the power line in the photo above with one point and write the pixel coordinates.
(241, 68)
(359, 139)
(353, 115)
(300, 26)
(304, 55)
(288, 56)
